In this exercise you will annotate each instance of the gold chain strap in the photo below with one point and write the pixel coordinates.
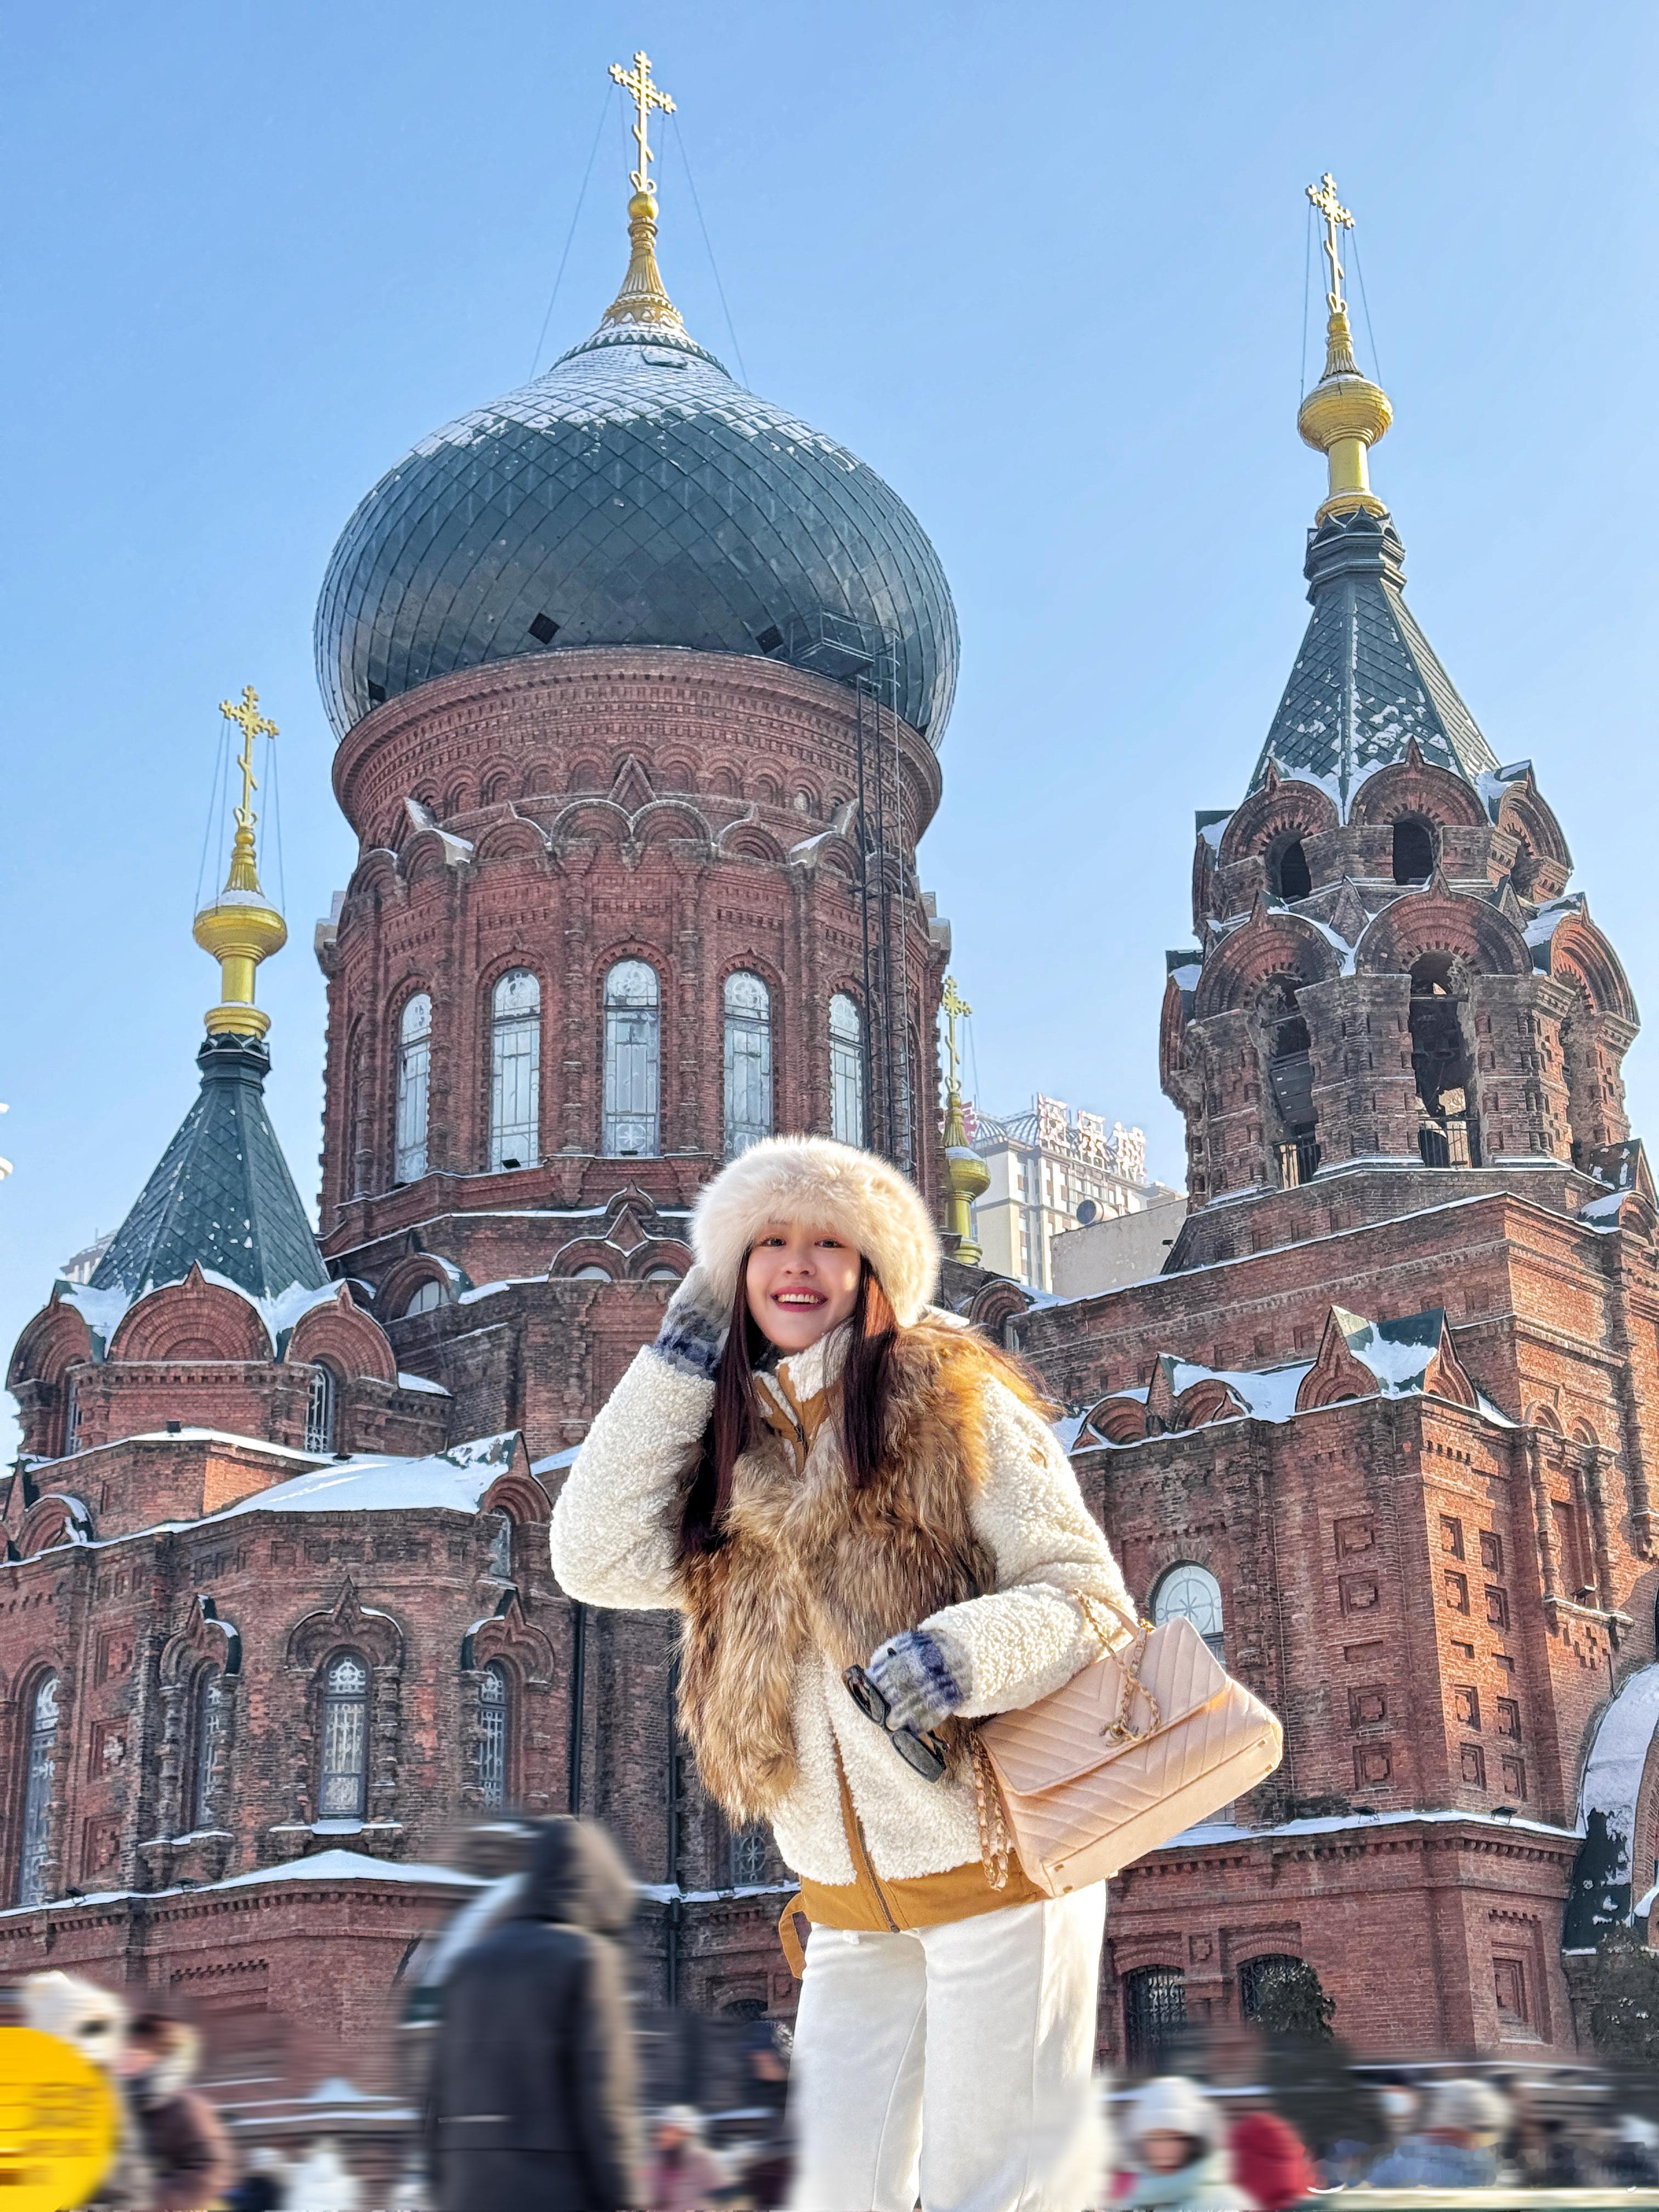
(1119, 1729)
(995, 1843)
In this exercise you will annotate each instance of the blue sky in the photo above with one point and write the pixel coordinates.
(1043, 267)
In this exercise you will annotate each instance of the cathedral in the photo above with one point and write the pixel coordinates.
(639, 684)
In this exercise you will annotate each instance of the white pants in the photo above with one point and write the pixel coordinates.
(952, 2063)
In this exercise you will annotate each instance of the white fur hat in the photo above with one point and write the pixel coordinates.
(80, 2012)
(831, 1186)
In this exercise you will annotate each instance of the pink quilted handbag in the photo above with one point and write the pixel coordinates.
(1140, 1744)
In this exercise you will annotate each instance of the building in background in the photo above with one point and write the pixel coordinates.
(1049, 1170)
(1108, 1250)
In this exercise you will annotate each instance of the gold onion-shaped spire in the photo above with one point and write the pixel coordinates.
(966, 1175)
(643, 298)
(241, 927)
(1344, 414)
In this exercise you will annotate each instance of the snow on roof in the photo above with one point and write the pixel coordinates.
(322, 1866)
(555, 1459)
(1268, 1394)
(1548, 918)
(454, 1481)
(1185, 978)
(421, 1383)
(1218, 1831)
(103, 1310)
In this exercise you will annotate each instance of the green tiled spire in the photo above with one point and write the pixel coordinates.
(1366, 681)
(222, 1197)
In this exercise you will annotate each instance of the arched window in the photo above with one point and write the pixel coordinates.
(748, 1063)
(38, 1773)
(1258, 1978)
(207, 1750)
(1413, 851)
(500, 1547)
(72, 1417)
(1154, 2012)
(360, 1168)
(1289, 1077)
(425, 1298)
(414, 1082)
(846, 1070)
(1448, 1130)
(322, 1396)
(1189, 1592)
(515, 1071)
(1287, 872)
(632, 1059)
(492, 1733)
(344, 1791)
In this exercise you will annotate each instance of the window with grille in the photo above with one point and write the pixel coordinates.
(42, 1765)
(748, 1857)
(1189, 1592)
(414, 1080)
(747, 1063)
(343, 1793)
(492, 1734)
(426, 1297)
(209, 1751)
(1154, 2012)
(632, 1062)
(515, 1071)
(320, 1401)
(1258, 1979)
(846, 1070)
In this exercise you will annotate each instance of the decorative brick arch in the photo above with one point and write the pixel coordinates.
(340, 1332)
(1441, 919)
(192, 1320)
(1118, 1421)
(404, 1277)
(1581, 957)
(1544, 864)
(507, 1635)
(200, 1642)
(1416, 788)
(746, 840)
(674, 819)
(510, 838)
(1277, 811)
(588, 820)
(57, 1518)
(1269, 945)
(996, 1303)
(347, 1625)
(1209, 1401)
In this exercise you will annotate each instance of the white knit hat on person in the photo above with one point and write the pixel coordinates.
(1171, 2104)
(92, 2018)
(824, 1185)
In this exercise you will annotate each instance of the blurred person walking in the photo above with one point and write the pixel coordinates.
(1456, 2149)
(529, 2104)
(186, 2146)
(1177, 2156)
(1270, 2160)
(857, 1505)
(263, 2186)
(685, 2174)
(95, 2020)
(768, 2159)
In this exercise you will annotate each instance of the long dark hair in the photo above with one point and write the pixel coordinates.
(872, 1331)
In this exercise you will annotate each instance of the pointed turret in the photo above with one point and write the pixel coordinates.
(223, 1198)
(1366, 681)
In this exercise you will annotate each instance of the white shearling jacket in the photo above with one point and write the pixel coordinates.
(613, 1544)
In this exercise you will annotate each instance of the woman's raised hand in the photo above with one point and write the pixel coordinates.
(695, 1327)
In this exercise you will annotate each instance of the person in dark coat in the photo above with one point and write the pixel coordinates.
(189, 2155)
(531, 2105)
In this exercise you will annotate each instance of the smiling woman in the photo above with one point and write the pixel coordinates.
(837, 1484)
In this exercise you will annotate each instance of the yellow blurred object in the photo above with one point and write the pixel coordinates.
(59, 2120)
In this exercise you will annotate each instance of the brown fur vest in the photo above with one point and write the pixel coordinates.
(810, 1566)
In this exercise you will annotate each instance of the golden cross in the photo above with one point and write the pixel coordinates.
(956, 1009)
(253, 725)
(1324, 195)
(637, 83)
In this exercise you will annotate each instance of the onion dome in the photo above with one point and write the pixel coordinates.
(635, 495)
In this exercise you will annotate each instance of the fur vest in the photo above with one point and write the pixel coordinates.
(810, 1566)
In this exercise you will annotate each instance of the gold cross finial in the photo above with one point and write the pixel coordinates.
(637, 83)
(1337, 217)
(956, 1009)
(253, 724)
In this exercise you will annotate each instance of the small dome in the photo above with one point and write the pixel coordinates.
(635, 495)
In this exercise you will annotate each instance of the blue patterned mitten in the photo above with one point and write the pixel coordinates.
(695, 1327)
(915, 1677)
